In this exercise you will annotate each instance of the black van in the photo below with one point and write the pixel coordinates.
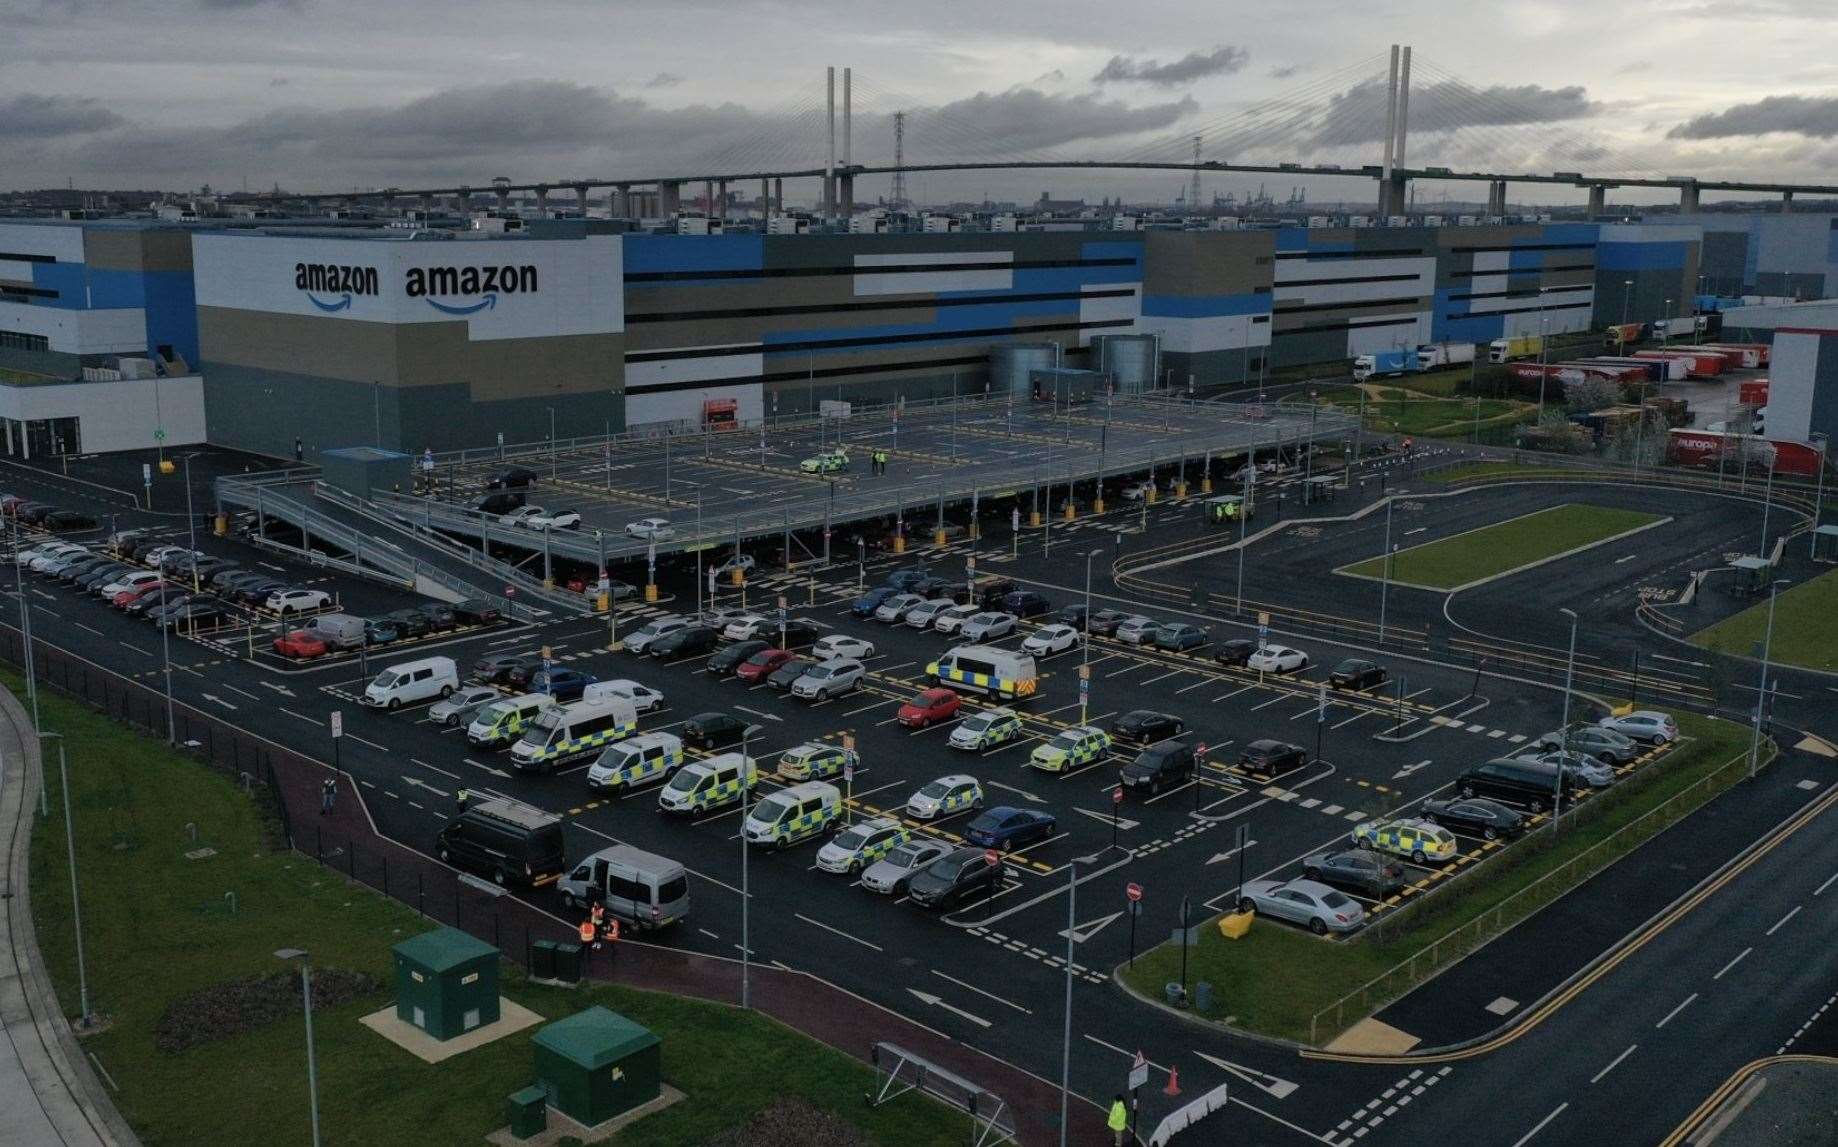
(510, 842)
(1161, 765)
(1528, 783)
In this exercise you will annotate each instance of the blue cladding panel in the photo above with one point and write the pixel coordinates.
(172, 313)
(1450, 323)
(1292, 239)
(1568, 233)
(1643, 256)
(997, 314)
(649, 254)
(67, 279)
(1520, 260)
(111, 290)
(1210, 306)
(1831, 243)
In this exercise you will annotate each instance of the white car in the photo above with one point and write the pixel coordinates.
(893, 610)
(51, 559)
(295, 600)
(1277, 659)
(1137, 491)
(1649, 725)
(945, 796)
(842, 645)
(521, 516)
(130, 581)
(986, 729)
(890, 874)
(922, 615)
(157, 554)
(651, 529)
(951, 618)
(744, 563)
(862, 844)
(746, 627)
(1137, 630)
(643, 697)
(641, 638)
(1051, 639)
(831, 678)
(31, 554)
(987, 626)
(558, 520)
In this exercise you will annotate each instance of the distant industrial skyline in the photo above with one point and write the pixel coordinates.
(326, 94)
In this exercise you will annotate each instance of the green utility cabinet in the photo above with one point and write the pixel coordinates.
(528, 1111)
(597, 1064)
(446, 982)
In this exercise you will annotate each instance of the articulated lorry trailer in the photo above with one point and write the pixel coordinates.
(1521, 346)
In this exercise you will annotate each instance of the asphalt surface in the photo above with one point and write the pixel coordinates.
(991, 974)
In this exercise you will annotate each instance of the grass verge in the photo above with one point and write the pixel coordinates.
(158, 926)
(1276, 978)
(1496, 549)
(1805, 627)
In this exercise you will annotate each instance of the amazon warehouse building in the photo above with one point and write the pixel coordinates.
(284, 337)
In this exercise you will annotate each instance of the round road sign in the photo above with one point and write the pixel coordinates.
(992, 856)
(1116, 795)
(1133, 891)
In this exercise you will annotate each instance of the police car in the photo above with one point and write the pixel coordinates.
(856, 848)
(1079, 745)
(814, 760)
(986, 729)
(827, 462)
(945, 796)
(1420, 840)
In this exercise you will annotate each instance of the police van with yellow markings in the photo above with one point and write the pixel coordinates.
(498, 723)
(856, 848)
(988, 670)
(793, 814)
(636, 761)
(569, 731)
(703, 785)
(1079, 745)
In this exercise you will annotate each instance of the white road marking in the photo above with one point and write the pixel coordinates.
(1527, 1137)
(1732, 963)
(981, 992)
(1614, 1063)
(1827, 884)
(1783, 920)
(1682, 1006)
(844, 935)
(303, 717)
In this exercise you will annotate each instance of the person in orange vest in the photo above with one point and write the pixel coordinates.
(587, 933)
(610, 932)
(597, 922)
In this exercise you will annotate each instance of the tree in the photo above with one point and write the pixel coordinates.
(1587, 394)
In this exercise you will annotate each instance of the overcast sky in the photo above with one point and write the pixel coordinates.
(332, 94)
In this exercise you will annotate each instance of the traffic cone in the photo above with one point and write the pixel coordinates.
(1174, 1082)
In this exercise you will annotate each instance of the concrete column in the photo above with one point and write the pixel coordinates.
(580, 199)
(669, 198)
(427, 205)
(1496, 197)
(1598, 199)
(829, 197)
(1688, 199)
(845, 194)
(708, 197)
(504, 200)
(765, 197)
(778, 194)
(721, 200)
(1786, 202)
(621, 202)
(542, 202)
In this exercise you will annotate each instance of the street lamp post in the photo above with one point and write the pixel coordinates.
(1557, 798)
(191, 526)
(1761, 694)
(746, 896)
(1767, 504)
(551, 443)
(1818, 498)
(306, 995)
(1244, 512)
(76, 907)
(1385, 575)
(25, 625)
(1627, 298)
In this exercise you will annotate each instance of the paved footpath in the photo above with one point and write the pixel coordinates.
(48, 1094)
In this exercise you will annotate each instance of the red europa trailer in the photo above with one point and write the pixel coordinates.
(1707, 448)
(1753, 392)
(1763, 352)
(1700, 364)
(1575, 371)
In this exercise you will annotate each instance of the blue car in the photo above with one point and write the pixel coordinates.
(561, 684)
(867, 603)
(1006, 827)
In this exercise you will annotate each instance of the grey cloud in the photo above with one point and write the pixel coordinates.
(1287, 70)
(1193, 66)
(1634, 68)
(236, 5)
(1022, 119)
(1357, 115)
(1815, 116)
(47, 117)
(664, 80)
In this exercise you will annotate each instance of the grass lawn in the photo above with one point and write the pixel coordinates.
(157, 926)
(1805, 626)
(1276, 977)
(1495, 549)
(1422, 405)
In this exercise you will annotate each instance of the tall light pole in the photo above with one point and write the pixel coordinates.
(76, 908)
(1385, 576)
(1065, 1060)
(1767, 504)
(1085, 641)
(191, 525)
(1761, 694)
(306, 995)
(1244, 512)
(551, 443)
(1557, 798)
(166, 662)
(25, 623)
(1665, 315)
(1818, 500)
(746, 896)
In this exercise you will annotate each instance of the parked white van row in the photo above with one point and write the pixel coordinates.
(424, 679)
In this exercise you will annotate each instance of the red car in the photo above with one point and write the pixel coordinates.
(128, 597)
(10, 503)
(762, 664)
(929, 708)
(300, 644)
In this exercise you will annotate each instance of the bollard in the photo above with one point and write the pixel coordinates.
(737, 576)
(1151, 495)
(938, 537)
(1097, 504)
(899, 543)
(1033, 518)
(1206, 484)
(605, 602)
(650, 593)
(1180, 488)
(1072, 511)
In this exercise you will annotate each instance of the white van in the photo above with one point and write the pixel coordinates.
(570, 730)
(647, 890)
(636, 761)
(793, 814)
(498, 723)
(986, 669)
(412, 681)
(703, 785)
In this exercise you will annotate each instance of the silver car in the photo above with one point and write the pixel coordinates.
(889, 875)
(1309, 903)
(1593, 740)
(1590, 771)
(1649, 725)
(987, 626)
(895, 608)
(830, 679)
(1137, 630)
(640, 639)
(457, 708)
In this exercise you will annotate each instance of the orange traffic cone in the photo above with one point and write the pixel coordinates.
(1174, 1082)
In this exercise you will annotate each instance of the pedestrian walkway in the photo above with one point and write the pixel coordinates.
(48, 1093)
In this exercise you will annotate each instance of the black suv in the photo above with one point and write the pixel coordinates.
(716, 731)
(1159, 766)
(685, 642)
(729, 659)
(1236, 651)
(511, 478)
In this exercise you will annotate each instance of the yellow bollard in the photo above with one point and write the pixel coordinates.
(166, 466)
(650, 593)
(1151, 495)
(1097, 504)
(222, 526)
(606, 601)
(899, 543)
(1072, 511)
(976, 531)
(1206, 485)
(548, 583)
(938, 537)
(737, 576)
(1180, 488)
(1033, 517)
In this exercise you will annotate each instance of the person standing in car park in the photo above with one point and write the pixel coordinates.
(328, 794)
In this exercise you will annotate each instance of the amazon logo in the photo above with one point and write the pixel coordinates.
(479, 286)
(340, 281)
